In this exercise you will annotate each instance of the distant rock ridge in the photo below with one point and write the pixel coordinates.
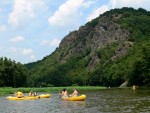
(92, 38)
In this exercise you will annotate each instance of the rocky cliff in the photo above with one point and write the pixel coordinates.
(90, 38)
(98, 53)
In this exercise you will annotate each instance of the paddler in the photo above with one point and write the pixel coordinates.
(19, 94)
(64, 93)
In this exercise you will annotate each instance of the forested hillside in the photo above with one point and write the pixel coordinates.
(109, 50)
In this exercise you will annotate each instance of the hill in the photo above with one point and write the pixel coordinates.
(109, 50)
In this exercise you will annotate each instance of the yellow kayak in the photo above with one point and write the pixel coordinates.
(23, 98)
(44, 95)
(29, 97)
(78, 98)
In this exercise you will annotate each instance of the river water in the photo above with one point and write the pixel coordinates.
(99, 101)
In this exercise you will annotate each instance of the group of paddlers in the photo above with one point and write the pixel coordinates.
(64, 93)
(19, 94)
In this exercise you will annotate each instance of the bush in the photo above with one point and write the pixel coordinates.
(43, 84)
(50, 85)
(75, 85)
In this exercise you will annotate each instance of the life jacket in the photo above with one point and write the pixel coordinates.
(19, 94)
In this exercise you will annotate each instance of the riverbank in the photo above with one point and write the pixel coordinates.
(9, 90)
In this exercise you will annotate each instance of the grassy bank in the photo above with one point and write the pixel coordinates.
(9, 90)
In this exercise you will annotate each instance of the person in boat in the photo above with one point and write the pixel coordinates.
(64, 93)
(75, 93)
(19, 94)
(34, 94)
(31, 93)
(15, 94)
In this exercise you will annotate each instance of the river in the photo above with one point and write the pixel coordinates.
(98, 101)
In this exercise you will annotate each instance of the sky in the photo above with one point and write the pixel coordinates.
(33, 29)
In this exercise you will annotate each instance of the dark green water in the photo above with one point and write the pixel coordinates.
(102, 101)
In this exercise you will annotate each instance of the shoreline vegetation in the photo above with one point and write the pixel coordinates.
(10, 90)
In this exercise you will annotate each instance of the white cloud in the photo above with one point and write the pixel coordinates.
(130, 3)
(17, 39)
(66, 14)
(119, 4)
(88, 3)
(24, 10)
(13, 49)
(97, 12)
(44, 42)
(3, 28)
(26, 51)
(23, 52)
(54, 42)
(33, 57)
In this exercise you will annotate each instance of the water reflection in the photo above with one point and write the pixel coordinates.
(73, 104)
(102, 101)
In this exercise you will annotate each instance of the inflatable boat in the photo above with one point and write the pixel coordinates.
(78, 98)
(29, 97)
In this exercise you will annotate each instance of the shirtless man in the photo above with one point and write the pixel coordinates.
(64, 93)
(75, 93)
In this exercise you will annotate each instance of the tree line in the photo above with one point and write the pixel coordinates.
(12, 74)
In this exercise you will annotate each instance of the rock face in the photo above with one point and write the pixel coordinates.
(124, 84)
(93, 36)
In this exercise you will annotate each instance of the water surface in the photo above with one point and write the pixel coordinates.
(99, 101)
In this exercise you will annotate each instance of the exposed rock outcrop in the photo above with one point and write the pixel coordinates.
(90, 37)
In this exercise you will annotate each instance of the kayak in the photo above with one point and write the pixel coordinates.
(44, 96)
(22, 98)
(78, 98)
(29, 97)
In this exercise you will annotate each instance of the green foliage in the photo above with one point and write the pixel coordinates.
(12, 74)
(9, 90)
(134, 67)
(93, 23)
(106, 53)
(50, 85)
(141, 67)
(74, 85)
